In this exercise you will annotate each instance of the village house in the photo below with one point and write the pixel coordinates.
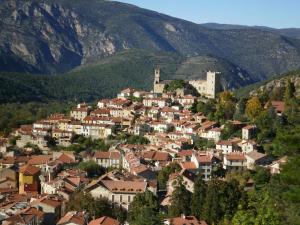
(96, 131)
(8, 178)
(256, 158)
(79, 113)
(186, 101)
(228, 146)
(247, 145)
(159, 126)
(235, 161)
(248, 132)
(53, 207)
(108, 159)
(204, 164)
(205, 127)
(119, 192)
(28, 216)
(277, 105)
(188, 180)
(74, 218)
(214, 134)
(29, 179)
(276, 166)
(158, 102)
(126, 93)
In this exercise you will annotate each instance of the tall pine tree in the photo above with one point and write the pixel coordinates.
(198, 197)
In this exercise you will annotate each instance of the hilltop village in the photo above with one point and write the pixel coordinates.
(61, 169)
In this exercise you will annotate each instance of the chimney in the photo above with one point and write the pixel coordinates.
(182, 216)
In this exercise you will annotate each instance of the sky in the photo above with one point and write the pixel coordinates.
(271, 13)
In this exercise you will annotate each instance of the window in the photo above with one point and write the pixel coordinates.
(112, 198)
(129, 198)
(121, 198)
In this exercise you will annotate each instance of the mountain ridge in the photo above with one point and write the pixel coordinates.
(55, 36)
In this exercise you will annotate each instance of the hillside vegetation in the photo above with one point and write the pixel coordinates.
(131, 68)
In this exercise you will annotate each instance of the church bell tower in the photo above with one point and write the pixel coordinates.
(157, 76)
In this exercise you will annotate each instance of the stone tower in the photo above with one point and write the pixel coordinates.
(157, 76)
(212, 83)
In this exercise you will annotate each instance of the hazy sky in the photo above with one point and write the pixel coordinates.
(273, 13)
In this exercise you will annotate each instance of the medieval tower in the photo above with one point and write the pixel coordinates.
(158, 85)
(212, 84)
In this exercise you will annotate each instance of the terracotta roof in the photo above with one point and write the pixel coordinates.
(248, 127)
(20, 219)
(54, 201)
(105, 220)
(139, 169)
(156, 155)
(255, 155)
(29, 170)
(237, 156)
(101, 155)
(204, 159)
(208, 124)
(224, 142)
(185, 153)
(39, 159)
(34, 211)
(278, 106)
(188, 165)
(65, 158)
(122, 186)
(73, 218)
(107, 155)
(186, 220)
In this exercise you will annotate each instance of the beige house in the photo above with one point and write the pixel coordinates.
(108, 159)
(119, 192)
(235, 161)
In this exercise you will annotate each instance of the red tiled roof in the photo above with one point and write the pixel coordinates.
(237, 156)
(29, 170)
(64, 158)
(186, 220)
(39, 159)
(277, 105)
(72, 217)
(121, 186)
(105, 220)
(185, 153)
(188, 165)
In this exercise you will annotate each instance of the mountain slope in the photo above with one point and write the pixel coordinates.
(131, 68)
(272, 86)
(55, 36)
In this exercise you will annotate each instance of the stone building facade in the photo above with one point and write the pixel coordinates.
(208, 88)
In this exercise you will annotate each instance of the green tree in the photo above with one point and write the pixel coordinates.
(206, 107)
(203, 143)
(212, 210)
(144, 210)
(95, 207)
(262, 176)
(289, 91)
(174, 85)
(92, 168)
(230, 198)
(180, 200)
(198, 197)
(163, 175)
(137, 140)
